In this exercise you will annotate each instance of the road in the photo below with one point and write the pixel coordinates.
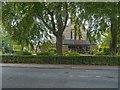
(21, 77)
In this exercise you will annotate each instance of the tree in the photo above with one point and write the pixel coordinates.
(118, 31)
(14, 22)
(105, 10)
(21, 24)
(6, 45)
(53, 17)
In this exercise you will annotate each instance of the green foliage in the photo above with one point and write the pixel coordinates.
(0, 52)
(71, 54)
(99, 53)
(106, 39)
(118, 54)
(23, 53)
(75, 60)
(44, 53)
(17, 47)
(20, 21)
(6, 42)
(103, 51)
(52, 51)
(106, 51)
(26, 21)
(45, 46)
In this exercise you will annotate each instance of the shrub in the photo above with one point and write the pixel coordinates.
(45, 46)
(23, 53)
(26, 53)
(45, 53)
(118, 54)
(75, 60)
(100, 49)
(106, 51)
(71, 54)
(103, 51)
(99, 53)
(52, 51)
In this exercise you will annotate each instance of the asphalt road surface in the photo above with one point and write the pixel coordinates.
(17, 77)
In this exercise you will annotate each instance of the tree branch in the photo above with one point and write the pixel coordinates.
(53, 23)
(66, 18)
(52, 20)
(40, 16)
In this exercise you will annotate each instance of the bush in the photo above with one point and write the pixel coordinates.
(106, 51)
(103, 51)
(118, 54)
(71, 54)
(45, 46)
(45, 53)
(99, 53)
(23, 53)
(75, 60)
(52, 51)
(100, 49)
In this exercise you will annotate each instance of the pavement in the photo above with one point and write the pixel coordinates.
(59, 66)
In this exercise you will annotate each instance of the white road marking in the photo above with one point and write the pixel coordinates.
(82, 76)
(71, 75)
(98, 76)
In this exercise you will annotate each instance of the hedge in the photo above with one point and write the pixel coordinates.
(76, 60)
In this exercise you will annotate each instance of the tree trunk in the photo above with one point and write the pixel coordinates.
(60, 30)
(75, 34)
(113, 35)
(36, 50)
(32, 47)
(71, 34)
(59, 44)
